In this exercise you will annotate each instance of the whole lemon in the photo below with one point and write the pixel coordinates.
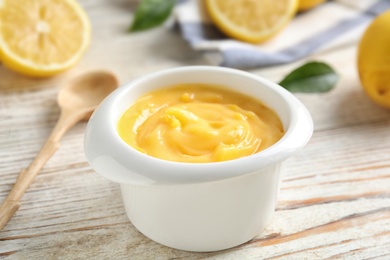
(373, 60)
(304, 5)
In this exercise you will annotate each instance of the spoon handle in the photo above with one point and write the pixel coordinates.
(11, 204)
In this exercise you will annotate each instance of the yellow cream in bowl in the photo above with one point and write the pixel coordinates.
(199, 123)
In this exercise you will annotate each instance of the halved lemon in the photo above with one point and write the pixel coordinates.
(251, 21)
(304, 5)
(42, 37)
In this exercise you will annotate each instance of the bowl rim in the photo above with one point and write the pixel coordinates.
(114, 159)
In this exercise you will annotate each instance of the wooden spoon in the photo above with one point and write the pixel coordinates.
(77, 100)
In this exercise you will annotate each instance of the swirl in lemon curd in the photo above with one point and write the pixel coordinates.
(199, 123)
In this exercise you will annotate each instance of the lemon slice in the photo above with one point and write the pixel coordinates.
(42, 37)
(252, 21)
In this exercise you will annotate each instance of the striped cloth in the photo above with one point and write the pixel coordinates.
(330, 25)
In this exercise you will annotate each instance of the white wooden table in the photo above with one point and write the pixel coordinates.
(335, 195)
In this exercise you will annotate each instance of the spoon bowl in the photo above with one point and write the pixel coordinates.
(86, 92)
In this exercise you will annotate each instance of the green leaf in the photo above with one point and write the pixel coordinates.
(151, 13)
(312, 77)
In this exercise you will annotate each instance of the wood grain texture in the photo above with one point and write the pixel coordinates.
(334, 201)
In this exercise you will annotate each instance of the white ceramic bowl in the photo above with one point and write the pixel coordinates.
(196, 206)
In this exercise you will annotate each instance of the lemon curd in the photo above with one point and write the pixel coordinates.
(199, 123)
